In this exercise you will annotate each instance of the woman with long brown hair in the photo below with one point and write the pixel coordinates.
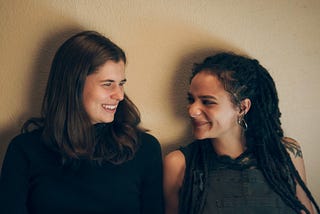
(87, 153)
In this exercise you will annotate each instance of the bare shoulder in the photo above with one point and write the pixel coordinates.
(175, 161)
(295, 152)
(293, 147)
(174, 167)
(175, 156)
(173, 175)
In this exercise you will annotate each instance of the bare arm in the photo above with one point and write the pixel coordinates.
(173, 175)
(295, 152)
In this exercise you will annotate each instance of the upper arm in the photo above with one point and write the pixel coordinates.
(14, 180)
(173, 175)
(295, 152)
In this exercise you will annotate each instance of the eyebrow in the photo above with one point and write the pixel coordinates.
(109, 80)
(208, 97)
(204, 96)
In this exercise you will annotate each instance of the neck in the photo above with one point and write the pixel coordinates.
(230, 147)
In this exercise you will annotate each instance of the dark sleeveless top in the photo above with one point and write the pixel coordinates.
(236, 186)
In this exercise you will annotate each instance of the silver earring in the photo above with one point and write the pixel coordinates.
(242, 123)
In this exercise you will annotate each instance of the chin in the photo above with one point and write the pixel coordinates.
(108, 121)
(199, 136)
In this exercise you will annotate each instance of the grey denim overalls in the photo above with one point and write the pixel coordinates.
(241, 190)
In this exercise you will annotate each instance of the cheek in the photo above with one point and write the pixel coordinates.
(86, 102)
(90, 100)
(228, 117)
(93, 95)
(231, 119)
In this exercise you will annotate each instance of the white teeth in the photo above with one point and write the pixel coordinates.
(109, 107)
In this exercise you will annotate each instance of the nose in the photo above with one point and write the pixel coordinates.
(118, 93)
(194, 110)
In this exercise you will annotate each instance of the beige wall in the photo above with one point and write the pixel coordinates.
(162, 39)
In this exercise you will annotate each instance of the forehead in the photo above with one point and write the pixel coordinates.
(110, 70)
(206, 82)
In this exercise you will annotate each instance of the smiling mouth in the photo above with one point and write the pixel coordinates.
(109, 107)
(198, 124)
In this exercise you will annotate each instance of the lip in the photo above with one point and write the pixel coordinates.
(198, 124)
(110, 107)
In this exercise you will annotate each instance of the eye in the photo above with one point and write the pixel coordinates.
(208, 102)
(122, 83)
(190, 99)
(107, 84)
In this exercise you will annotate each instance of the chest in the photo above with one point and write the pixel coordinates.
(88, 189)
(242, 191)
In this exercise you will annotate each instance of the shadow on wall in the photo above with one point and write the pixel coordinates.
(169, 47)
(178, 93)
(37, 82)
(41, 68)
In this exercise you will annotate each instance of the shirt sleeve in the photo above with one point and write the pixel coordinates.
(14, 180)
(152, 193)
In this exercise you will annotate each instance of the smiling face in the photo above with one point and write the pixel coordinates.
(103, 90)
(210, 108)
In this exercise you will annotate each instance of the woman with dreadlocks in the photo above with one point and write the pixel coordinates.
(240, 161)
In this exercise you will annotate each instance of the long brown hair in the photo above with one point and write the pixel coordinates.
(66, 125)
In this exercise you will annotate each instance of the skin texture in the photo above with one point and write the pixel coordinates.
(294, 149)
(214, 116)
(103, 90)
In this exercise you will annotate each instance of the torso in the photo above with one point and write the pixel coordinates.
(45, 186)
(88, 189)
(238, 186)
(242, 191)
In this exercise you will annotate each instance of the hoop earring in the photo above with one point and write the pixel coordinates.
(242, 123)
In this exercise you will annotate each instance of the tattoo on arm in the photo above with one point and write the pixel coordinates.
(294, 149)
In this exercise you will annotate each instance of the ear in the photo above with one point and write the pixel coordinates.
(245, 106)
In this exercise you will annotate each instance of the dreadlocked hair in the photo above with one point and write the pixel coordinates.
(243, 78)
